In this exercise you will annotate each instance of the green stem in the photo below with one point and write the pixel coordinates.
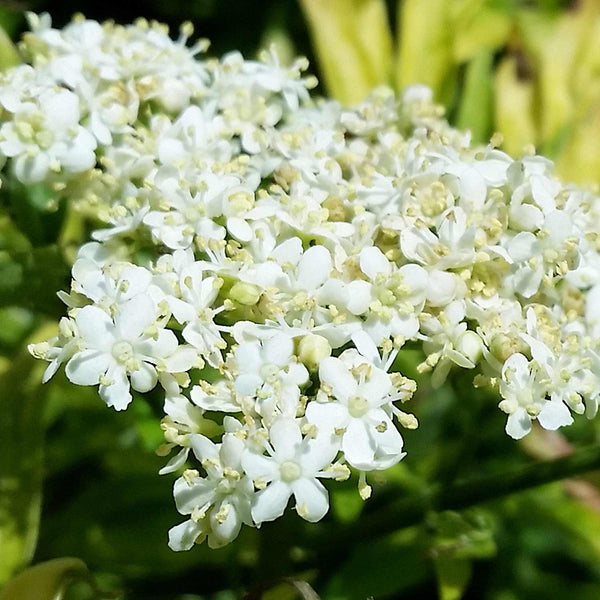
(21, 455)
(458, 495)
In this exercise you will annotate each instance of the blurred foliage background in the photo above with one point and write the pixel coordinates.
(79, 480)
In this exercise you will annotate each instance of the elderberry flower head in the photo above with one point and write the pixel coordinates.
(264, 257)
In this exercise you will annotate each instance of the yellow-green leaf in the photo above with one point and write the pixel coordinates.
(353, 44)
(556, 45)
(514, 102)
(9, 55)
(425, 50)
(47, 581)
(478, 27)
(475, 109)
(579, 160)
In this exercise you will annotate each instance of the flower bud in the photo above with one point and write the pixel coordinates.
(245, 293)
(312, 349)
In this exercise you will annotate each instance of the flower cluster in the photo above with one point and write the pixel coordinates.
(265, 256)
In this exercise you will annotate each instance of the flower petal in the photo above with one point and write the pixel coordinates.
(270, 502)
(312, 500)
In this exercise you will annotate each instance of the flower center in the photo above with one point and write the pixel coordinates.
(122, 351)
(269, 372)
(524, 397)
(357, 406)
(290, 471)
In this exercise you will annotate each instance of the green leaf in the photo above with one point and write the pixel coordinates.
(475, 109)
(465, 535)
(353, 44)
(48, 580)
(478, 26)
(514, 107)
(425, 50)
(453, 575)
(21, 460)
(9, 55)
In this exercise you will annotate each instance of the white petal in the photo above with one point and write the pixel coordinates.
(86, 367)
(182, 360)
(203, 447)
(377, 387)
(134, 316)
(328, 416)
(218, 402)
(333, 372)
(258, 466)
(285, 437)
(373, 262)
(271, 502)
(176, 462)
(365, 345)
(522, 246)
(223, 532)
(231, 451)
(31, 169)
(554, 414)
(278, 349)
(95, 327)
(357, 445)
(358, 294)
(247, 384)
(164, 345)
(184, 535)
(441, 288)
(518, 424)
(312, 501)
(144, 379)
(187, 497)
(526, 217)
(239, 229)
(289, 251)
(314, 268)
(117, 394)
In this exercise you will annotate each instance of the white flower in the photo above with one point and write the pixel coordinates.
(397, 296)
(127, 346)
(292, 467)
(524, 399)
(45, 136)
(359, 413)
(218, 503)
(270, 372)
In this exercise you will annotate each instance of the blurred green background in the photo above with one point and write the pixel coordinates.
(79, 480)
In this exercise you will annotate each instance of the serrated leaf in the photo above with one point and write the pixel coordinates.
(353, 44)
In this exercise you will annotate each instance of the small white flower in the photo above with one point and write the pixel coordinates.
(218, 503)
(292, 468)
(359, 413)
(128, 346)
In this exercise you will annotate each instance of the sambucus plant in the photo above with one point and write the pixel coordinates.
(265, 257)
